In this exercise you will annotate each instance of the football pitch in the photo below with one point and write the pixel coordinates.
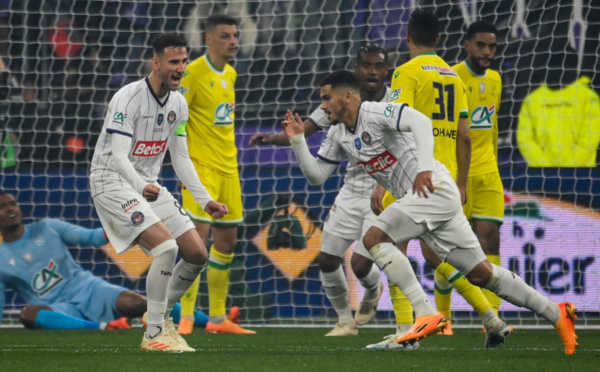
(292, 349)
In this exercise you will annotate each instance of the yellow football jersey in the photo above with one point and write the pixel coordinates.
(428, 84)
(560, 127)
(484, 95)
(210, 96)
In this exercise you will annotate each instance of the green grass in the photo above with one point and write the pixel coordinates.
(292, 349)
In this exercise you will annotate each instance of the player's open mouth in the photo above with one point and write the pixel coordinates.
(372, 81)
(176, 79)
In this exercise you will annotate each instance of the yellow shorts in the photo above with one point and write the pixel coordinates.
(485, 198)
(223, 188)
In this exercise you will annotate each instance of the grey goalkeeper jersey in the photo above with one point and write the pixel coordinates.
(356, 180)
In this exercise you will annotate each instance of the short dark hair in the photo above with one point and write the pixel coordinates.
(480, 26)
(215, 20)
(342, 79)
(167, 40)
(371, 48)
(423, 28)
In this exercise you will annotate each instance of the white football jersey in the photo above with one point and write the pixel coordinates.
(135, 111)
(356, 180)
(378, 146)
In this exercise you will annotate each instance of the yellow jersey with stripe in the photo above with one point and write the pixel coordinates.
(210, 95)
(428, 84)
(484, 93)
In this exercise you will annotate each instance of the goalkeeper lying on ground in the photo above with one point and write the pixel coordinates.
(60, 294)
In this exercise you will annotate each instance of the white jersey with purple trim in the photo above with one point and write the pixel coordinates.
(135, 111)
(356, 180)
(378, 146)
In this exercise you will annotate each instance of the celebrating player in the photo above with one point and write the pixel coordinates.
(485, 194)
(59, 293)
(351, 215)
(428, 84)
(143, 119)
(394, 144)
(208, 87)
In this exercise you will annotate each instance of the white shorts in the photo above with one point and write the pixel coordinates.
(439, 219)
(349, 219)
(125, 214)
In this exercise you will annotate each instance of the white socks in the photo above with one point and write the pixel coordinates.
(157, 282)
(513, 289)
(398, 270)
(371, 284)
(184, 275)
(336, 289)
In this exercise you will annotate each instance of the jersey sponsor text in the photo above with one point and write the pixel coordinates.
(379, 163)
(149, 148)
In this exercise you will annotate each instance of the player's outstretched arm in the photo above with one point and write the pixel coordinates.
(292, 124)
(280, 139)
(72, 234)
(184, 168)
(316, 171)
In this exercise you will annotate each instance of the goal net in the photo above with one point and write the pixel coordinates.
(63, 60)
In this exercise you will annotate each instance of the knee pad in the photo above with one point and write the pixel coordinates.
(169, 245)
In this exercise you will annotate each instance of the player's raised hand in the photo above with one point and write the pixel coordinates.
(261, 139)
(216, 209)
(151, 192)
(377, 199)
(423, 182)
(292, 125)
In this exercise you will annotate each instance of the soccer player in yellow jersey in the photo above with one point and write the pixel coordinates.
(428, 84)
(208, 86)
(485, 193)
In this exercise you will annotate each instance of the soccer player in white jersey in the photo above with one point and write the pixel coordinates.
(351, 214)
(143, 119)
(394, 144)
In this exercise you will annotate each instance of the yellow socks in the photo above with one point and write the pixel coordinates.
(217, 278)
(442, 293)
(472, 294)
(402, 308)
(494, 300)
(188, 301)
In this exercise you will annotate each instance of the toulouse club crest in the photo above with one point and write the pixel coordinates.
(172, 117)
(137, 218)
(366, 138)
